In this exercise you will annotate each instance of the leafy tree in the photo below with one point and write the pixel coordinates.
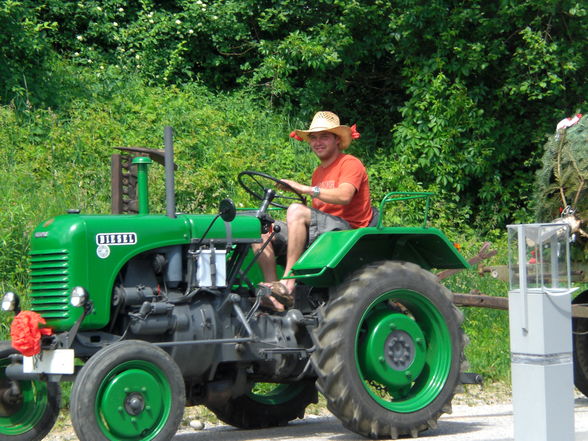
(460, 94)
(486, 80)
(24, 54)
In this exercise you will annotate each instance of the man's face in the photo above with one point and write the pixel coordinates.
(324, 144)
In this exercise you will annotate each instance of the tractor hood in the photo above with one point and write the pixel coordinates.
(90, 250)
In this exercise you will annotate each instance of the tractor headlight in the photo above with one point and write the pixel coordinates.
(10, 301)
(79, 296)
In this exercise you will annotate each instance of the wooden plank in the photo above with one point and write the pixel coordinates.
(481, 301)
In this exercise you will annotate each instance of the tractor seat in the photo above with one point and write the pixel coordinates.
(375, 217)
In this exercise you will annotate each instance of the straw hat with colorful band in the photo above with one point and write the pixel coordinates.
(328, 122)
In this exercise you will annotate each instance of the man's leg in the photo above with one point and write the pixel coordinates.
(298, 220)
(267, 259)
(304, 225)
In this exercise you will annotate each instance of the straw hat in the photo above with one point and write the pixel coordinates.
(324, 121)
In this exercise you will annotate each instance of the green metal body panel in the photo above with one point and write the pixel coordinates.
(336, 254)
(90, 250)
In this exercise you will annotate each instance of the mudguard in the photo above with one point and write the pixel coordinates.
(336, 254)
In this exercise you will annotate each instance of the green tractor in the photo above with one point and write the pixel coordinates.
(149, 313)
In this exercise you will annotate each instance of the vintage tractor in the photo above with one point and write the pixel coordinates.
(149, 313)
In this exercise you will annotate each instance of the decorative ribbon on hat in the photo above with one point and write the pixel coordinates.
(295, 136)
(26, 334)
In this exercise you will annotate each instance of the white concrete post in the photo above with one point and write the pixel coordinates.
(541, 332)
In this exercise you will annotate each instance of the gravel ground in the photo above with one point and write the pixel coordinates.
(479, 413)
(471, 396)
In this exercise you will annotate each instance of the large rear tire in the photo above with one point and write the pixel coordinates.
(580, 342)
(31, 414)
(267, 405)
(131, 390)
(389, 351)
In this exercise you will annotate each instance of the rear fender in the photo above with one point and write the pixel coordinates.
(336, 254)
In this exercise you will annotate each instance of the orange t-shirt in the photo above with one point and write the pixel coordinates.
(346, 168)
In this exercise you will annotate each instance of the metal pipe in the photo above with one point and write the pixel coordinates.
(170, 196)
(142, 162)
(243, 320)
(15, 372)
(205, 342)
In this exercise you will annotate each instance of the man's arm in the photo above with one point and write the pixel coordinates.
(342, 195)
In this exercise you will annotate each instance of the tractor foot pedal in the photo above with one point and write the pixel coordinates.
(470, 378)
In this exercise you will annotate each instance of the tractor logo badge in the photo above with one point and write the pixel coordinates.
(106, 240)
(103, 251)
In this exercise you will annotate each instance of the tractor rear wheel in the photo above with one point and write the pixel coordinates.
(29, 411)
(130, 390)
(580, 342)
(389, 350)
(267, 405)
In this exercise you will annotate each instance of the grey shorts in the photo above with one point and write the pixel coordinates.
(319, 223)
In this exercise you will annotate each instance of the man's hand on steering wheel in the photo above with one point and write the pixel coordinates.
(257, 183)
(292, 186)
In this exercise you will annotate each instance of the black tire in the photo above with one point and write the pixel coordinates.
(31, 415)
(389, 350)
(580, 344)
(270, 408)
(130, 390)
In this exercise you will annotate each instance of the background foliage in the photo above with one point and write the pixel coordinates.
(459, 94)
(450, 96)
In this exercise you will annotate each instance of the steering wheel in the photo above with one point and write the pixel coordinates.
(253, 183)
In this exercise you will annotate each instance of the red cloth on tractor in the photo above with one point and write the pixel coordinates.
(26, 334)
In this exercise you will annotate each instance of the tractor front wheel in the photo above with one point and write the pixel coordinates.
(389, 350)
(131, 390)
(28, 408)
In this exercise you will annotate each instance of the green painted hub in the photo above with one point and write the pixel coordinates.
(19, 415)
(273, 394)
(393, 353)
(403, 358)
(133, 401)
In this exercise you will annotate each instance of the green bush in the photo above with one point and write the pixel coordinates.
(460, 96)
(53, 162)
(488, 351)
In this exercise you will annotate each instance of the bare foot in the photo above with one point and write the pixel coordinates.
(278, 293)
(269, 302)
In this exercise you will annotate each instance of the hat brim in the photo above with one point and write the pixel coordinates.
(343, 132)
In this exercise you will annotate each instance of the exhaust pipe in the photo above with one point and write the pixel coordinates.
(170, 193)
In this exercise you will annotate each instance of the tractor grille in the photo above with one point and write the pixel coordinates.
(49, 283)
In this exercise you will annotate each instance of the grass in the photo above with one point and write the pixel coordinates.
(488, 351)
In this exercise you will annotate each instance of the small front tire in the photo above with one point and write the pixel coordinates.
(130, 390)
(31, 414)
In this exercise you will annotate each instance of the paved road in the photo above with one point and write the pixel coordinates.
(476, 423)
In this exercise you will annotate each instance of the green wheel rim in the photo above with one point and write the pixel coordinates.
(133, 401)
(273, 394)
(19, 419)
(403, 353)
